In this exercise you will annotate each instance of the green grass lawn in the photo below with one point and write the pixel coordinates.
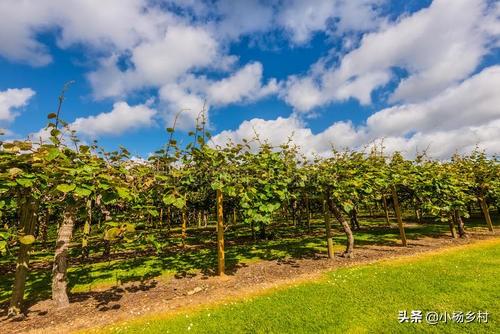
(363, 299)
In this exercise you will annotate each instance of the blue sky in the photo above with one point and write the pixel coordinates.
(413, 74)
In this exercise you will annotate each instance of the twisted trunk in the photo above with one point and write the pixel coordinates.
(28, 220)
(451, 223)
(60, 268)
(334, 209)
(460, 224)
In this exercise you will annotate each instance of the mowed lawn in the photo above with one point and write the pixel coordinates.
(362, 299)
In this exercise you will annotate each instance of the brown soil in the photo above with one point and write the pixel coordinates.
(97, 309)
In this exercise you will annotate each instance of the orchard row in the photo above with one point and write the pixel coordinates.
(79, 187)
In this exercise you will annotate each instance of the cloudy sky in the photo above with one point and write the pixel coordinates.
(345, 73)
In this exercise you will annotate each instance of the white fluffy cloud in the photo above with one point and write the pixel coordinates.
(303, 18)
(437, 46)
(157, 62)
(121, 119)
(11, 99)
(245, 84)
(192, 93)
(99, 24)
(458, 119)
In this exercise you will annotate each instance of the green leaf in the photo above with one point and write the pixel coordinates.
(66, 188)
(25, 182)
(52, 154)
(153, 212)
(108, 197)
(27, 239)
(13, 172)
(123, 193)
(84, 149)
(127, 227)
(180, 203)
(55, 132)
(83, 192)
(112, 233)
(347, 207)
(168, 199)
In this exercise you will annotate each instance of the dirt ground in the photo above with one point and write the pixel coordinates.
(97, 309)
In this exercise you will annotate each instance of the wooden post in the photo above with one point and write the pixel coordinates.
(160, 220)
(220, 235)
(486, 212)
(205, 218)
(386, 211)
(328, 226)
(397, 209)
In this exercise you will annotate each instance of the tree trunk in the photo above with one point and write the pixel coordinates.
(205, 218)
(60, 268)
(294, 213)
(28, 220)
(262, 232)
(86, 230)
(44, 228)
(183, 228)
(386, 211)
(308, 212)
(486, 213)
(160, 220)
(350, 238)
(397, 210)
(451, 223)
(328, 227)
(169, 219)
(460, 224)
(354, 219)
(220, 235)
(107, 249)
